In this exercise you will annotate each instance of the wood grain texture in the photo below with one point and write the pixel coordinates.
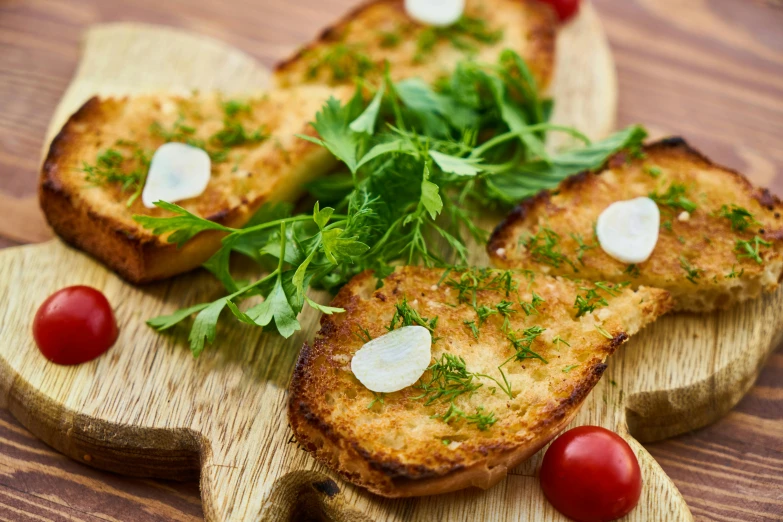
(704, 73)
(149, 409)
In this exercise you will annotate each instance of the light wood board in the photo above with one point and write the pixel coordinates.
(147, 408)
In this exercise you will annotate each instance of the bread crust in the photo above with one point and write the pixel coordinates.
(529, 27)
(96, 218)
(101, 225)
(396, 449)
(703, 238)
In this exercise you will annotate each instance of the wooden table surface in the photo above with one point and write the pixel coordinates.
(710, 70)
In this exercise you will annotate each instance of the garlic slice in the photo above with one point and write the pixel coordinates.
(435, 12)
(177, 171)
(628, 230)
(394, 360)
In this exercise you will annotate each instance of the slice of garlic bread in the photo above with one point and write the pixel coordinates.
(96, 167)
(512, 360)
(99, 160)
(720, 240)
(381, 31)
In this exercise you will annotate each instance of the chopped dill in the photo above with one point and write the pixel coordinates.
(390, 39)
(674, 197)
(363, 334)
(603, 332)
(522, 342)
(483, 313)
(632, 270)
(739, 217)
(405, 315)
(109, 165)
(377, 397)
(544, 248)
(569, 368)
(652, 170)
(461, 35)
(473, 327)
(449, 379)
(750, 249)
(611, 288)
(734, 274)
(587, 303)
(505, 309)
(232, 108)
(343, 61)
(476, 280)
(531, 308)
(481, 420)
(692, 273)
(560, 340)
(233, 134)
(582, 247)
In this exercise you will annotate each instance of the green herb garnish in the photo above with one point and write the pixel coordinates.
(406, 315)
(111, 166)
(544, 247)
(342, 61)
(739, 217)
(531, 308)
(674, 197)
(692, 273)
(582, 247)
(417, 162)
(750, 249)
(462, 35)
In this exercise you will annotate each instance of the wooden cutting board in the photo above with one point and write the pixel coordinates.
(148, 408)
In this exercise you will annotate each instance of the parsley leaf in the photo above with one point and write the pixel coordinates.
(183, 226)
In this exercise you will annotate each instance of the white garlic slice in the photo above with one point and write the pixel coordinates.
(628, 230)
(435, 12)
(177, 171)
(394, 360)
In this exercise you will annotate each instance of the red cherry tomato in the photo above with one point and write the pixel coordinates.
(591, 475)
(565, 9)
(74, 325)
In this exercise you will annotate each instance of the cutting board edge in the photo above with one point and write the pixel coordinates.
(144, 452)
(77, 435)
(647, 424)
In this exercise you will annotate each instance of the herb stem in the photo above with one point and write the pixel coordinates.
(502, 138)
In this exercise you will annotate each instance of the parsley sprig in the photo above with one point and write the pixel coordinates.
(416, 160)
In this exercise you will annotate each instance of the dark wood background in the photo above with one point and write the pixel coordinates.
(710, 70)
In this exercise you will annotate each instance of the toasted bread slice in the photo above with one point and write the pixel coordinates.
(399, 445)
(381, 31)
(98, 219)
(709, 258)
(91, 210)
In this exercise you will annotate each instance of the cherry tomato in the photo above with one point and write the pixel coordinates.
(591, 474)
(565, 9)
(74, 325)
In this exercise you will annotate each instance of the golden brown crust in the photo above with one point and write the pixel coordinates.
(98, 220)
(701, 240)
(396, 449)
(529, 28)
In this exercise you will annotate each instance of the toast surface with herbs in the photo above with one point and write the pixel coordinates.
(380, 32)
(720, 239)
(96, 166)
(512, 360)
